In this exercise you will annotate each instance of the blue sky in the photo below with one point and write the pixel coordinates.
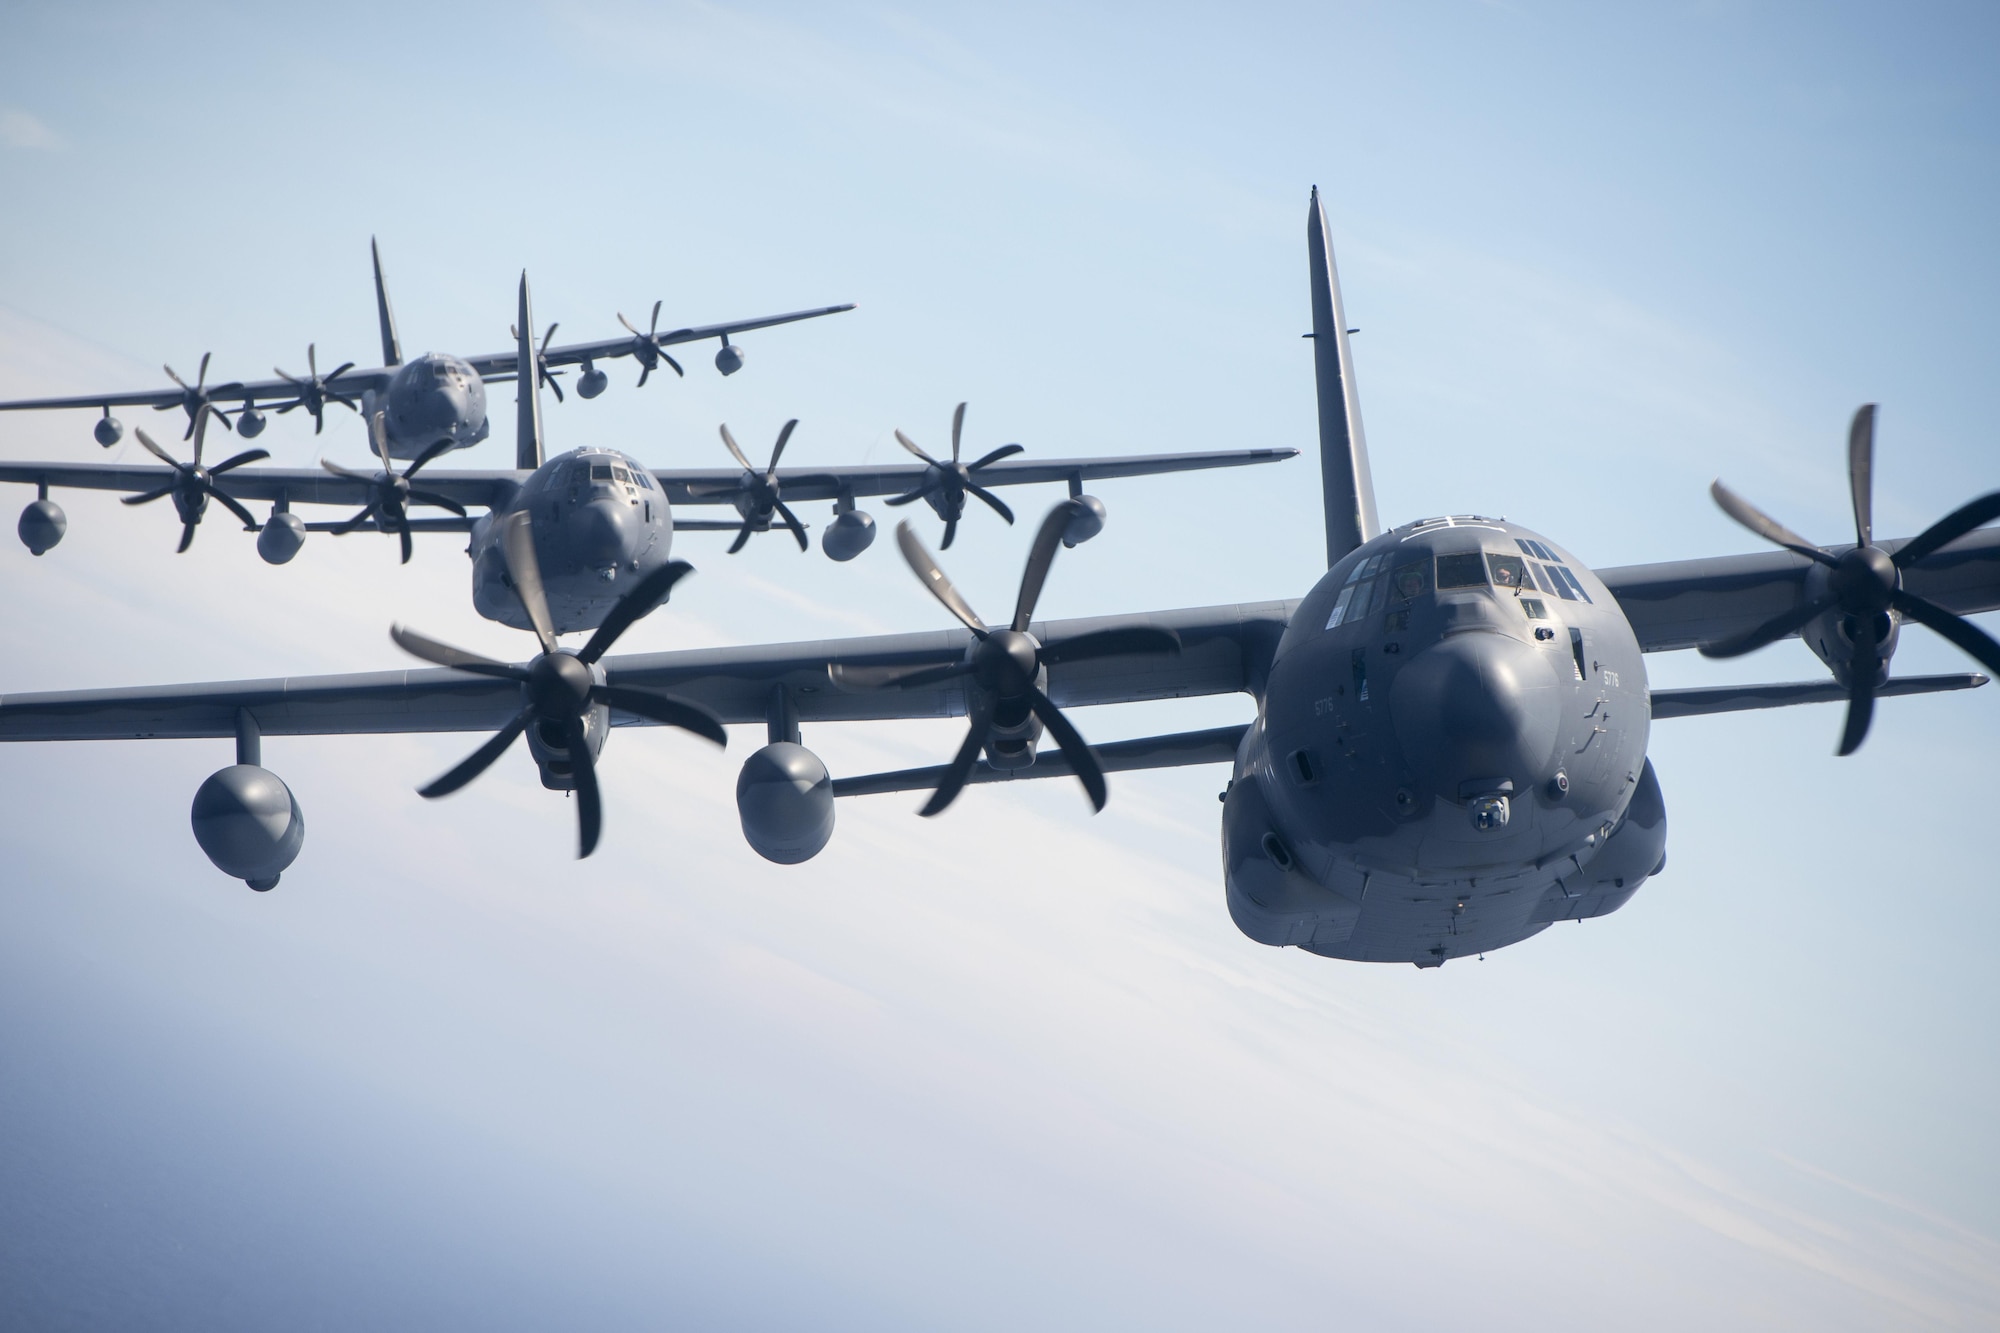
(1015, 1065)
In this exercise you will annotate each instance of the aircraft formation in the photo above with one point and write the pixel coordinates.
(1448, 753)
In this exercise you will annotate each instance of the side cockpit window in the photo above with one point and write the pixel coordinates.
(1509, 571)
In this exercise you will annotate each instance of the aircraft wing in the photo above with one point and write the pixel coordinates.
(713, 485)
(297, 485)
(263, 391)
(1686, 603)
(1225, 649)
(503, 365)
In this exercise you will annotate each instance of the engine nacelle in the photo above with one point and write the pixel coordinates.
(250, 422)
(249, 824)
(42, 525)
(108, 430)
(280, 538)
(848, 535)
(592, 381)
(1086, 520)
(784, 797)
(730, 359)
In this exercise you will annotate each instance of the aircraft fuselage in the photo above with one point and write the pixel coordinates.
(435, 397)
(1449, 753)
(600, 525)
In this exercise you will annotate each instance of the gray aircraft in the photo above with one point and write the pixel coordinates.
(1449, 747)
(434, 403)
(602, 522)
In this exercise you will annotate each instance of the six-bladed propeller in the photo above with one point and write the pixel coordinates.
(646, 349)
(951, 482)
(389, 495)
(758, 495)
(1864, 583)
(316, 390)
(193, 484)
(1006, 664)
(549, 379)
(560, 688)
(198, 400)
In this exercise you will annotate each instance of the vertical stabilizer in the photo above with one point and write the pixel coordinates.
(527, 388)
(392, 351)
(1343, 449)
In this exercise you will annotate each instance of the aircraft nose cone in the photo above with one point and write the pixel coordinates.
(1475, 708)
(600, 529)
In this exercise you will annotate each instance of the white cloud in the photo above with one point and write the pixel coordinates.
(24, 129)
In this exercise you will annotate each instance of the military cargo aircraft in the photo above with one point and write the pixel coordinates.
(436, 402)
(1449, 748)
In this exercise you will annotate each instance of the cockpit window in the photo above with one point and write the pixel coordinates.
(1410, 581)
(600, 472)
(1461, 571)
(621, 474)
(1509, 571)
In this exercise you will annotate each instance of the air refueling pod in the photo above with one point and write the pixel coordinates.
(851, 532)
(784, 795)
(42, 523)
(246, 819)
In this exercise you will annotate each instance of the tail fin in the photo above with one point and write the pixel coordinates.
(392, 351)
(527, 388)
(1343, 449)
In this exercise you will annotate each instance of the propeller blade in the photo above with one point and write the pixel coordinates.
(652, 330)
(548, 338)
(149, 496)
(1777, 627)
(432, 451)
(424, 647)
(628, 325)
(201, 376)
(950, 531)
(479, 760)
(1949, 529)
(1004, 451)
(778, 450)
(1968, 636)
(351, 475)
(159, 453)
(675, 364)
(312, 359)
(409, 547)
(554, 384)
(589, 805)
(714, 488)
(980, 716)
(187, 535)
(1861, 485)
(729, 441)
(367, 512)
(664, 709)
(294, 380)
(1861, 685)
(175, 378)
(911, 445)
(993, 501)
(1113, 643)
(437, 501)
(345, 366)
(895, 677)
(742, 536)
(229, 502)
(517, 547)
(648, 593)
(1761, 523)
(644, 371)
(378, 433)
(932, 577)
(247, 456)
(1042, 555)
(911, 498)
(792, 522)
(1081, 757)
(957, 429)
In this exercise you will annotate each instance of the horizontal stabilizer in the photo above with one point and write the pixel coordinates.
(1741, 698)
(1217, 745)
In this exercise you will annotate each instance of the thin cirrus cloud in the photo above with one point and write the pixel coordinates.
(24, 129)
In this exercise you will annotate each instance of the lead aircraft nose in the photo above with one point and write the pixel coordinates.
(601, 529)
(1474, 710)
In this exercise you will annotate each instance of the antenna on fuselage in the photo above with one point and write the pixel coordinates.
(392, 351)
(527, 389)
(1349, 490)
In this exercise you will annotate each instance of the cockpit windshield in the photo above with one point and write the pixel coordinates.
(1467, 570)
